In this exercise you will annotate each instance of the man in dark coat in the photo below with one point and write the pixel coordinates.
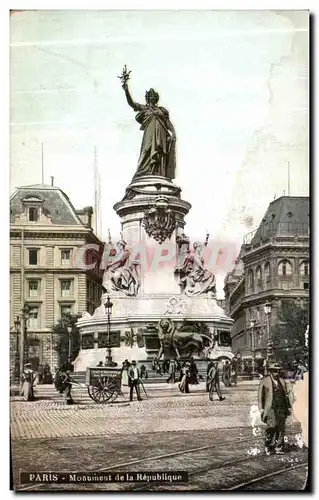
(213, 382)
(234, 369)
(226, 373)
(134, 380)
(275, 402)
(193, 372)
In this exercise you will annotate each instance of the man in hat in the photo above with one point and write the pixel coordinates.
(213, 382)
(274, 400)
(134, 380)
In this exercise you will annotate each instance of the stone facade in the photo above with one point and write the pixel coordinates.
(272, 266)
(47, 238)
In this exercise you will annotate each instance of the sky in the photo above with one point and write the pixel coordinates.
(235, 84)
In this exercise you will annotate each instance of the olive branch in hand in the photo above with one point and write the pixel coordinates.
(125, 76)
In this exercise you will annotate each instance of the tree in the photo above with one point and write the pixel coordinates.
(60, 332)
(288, 335)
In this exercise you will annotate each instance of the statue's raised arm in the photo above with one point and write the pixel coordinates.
(124, 77)
(157, 155)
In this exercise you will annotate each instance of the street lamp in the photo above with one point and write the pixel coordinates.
(267, 311)
(253, 347)
(20, 325)
(69, 328)
(17, 326)
(108, 309)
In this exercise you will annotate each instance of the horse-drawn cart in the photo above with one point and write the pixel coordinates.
(104, 383)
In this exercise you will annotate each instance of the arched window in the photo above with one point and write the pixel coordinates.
(284, 268)
(304, 269)
(258, 276)
(250, 280)
(267, 271)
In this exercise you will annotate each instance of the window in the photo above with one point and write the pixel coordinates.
(304, 268)
(284, 268)
(87, 341)
(33, 256)
(258, 314)
(66, 310)
(34, 317)
(34, 287)
(65, 257)
(251, 280)
(115, 339)
(258, 276)
(33, 214)
(267, 272)
(306, 286)
(66, 288)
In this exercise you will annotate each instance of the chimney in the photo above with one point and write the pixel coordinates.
(86, 216)
(52, 180)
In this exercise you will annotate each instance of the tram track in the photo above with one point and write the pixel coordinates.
(241, 486)
(217, 464)
(231, 465)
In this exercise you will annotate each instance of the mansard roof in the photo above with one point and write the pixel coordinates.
(286, 216)
(56, 203)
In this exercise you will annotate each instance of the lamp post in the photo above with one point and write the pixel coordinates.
(267, 311)
(108, 309)
(253, 347)
(17, 326)
(20, 324)
(69, 328)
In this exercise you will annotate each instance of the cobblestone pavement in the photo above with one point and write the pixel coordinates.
(51, 436)
(161, 411)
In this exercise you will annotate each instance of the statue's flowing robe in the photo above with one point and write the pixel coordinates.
(197, 280)
(157, 155)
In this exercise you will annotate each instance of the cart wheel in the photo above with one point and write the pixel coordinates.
(101, 392)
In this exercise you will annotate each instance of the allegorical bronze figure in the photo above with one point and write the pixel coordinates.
(157, 155)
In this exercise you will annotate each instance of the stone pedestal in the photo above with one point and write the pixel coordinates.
(152, 216)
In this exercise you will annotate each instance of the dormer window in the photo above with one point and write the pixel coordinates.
(33, 207)
(33, 214)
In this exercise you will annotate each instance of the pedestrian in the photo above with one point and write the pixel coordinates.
(184, 383)
(28, 379)
(193, 376)
(213, 382)
(134, 380)
(66, 383)
(144, 372)
(47, 377)
(171, 371)
(249, 368)
(226, 373)
(40, 374)
(274, 400)
(209, 366)
(234, 370)
(125, 366)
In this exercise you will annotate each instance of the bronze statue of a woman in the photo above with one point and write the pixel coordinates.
(157, 155)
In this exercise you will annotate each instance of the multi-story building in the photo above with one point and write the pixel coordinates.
(272, 267)
(49, 247)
